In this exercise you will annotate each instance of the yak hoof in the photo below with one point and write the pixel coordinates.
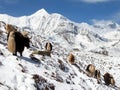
(14, 54)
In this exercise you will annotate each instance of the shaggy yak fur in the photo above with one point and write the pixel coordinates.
(97, 74)
(71, 58)
(10, 28)
(48, 46)
(90, 70)
(17, 42)
(108, 78)
(11, 42)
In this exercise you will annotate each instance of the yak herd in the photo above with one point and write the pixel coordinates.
(91, 71)
(17, 41)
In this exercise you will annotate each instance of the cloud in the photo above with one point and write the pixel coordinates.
(101, 22)
(116, 17)
(95, 1)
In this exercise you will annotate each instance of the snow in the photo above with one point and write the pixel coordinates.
(86, 42)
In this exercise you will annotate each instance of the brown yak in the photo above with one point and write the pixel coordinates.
(71, 58)
(90, 70)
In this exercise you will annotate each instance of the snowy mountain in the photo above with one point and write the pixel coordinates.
(87, 42)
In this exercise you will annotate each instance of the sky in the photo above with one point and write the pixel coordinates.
(75, 10)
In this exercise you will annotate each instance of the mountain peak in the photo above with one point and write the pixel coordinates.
(41, 11)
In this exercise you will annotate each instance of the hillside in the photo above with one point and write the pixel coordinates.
(86, 42)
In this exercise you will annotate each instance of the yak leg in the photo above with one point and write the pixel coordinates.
(15, 53)
(20, 53)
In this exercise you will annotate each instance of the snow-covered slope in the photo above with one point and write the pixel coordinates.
(85, 41)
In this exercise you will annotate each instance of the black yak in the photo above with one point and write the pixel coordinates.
(17, 42)
(108, 78)
(90, 70)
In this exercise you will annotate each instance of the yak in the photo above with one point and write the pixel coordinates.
(90, 70)
(71, 58)
(48, 46)
(97, 75)
(108, 78)
(17, 42)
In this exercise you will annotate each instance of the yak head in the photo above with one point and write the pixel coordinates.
(27, 42)
(10, 28)
(26, 39)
